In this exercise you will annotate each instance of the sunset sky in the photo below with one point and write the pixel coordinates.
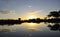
(26, 9)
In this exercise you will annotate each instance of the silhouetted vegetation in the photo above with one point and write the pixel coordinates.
(19, 21)
(54, 27)
(55, 14)
(10, 21)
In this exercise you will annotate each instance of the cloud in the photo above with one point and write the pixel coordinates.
(7, 12)
(29, 6)
(35, 12)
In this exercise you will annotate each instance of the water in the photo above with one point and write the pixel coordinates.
(28, 30)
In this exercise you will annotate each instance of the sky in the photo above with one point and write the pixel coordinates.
(13, 9)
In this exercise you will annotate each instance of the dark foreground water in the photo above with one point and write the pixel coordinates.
(28, 30)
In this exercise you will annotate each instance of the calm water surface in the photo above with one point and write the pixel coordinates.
(28, 30)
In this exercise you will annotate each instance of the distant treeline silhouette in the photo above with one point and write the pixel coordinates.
(10, 21)
(55, 14)
(19, 21)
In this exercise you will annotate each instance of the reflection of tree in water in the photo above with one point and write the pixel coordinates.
(55, 27)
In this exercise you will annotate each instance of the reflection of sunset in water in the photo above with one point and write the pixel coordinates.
(32, 26)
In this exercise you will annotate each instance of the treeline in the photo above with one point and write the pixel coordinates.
(10, 22)
(37, 20)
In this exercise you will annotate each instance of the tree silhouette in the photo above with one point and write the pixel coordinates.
(55, 14)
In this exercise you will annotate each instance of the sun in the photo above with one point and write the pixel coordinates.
(32, 17)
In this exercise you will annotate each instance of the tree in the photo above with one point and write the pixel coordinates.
(55, 14)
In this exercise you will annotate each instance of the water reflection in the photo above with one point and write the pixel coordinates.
(29, 30)
(30, 27)
(24, 26)
(6, 30)
(55, 27)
